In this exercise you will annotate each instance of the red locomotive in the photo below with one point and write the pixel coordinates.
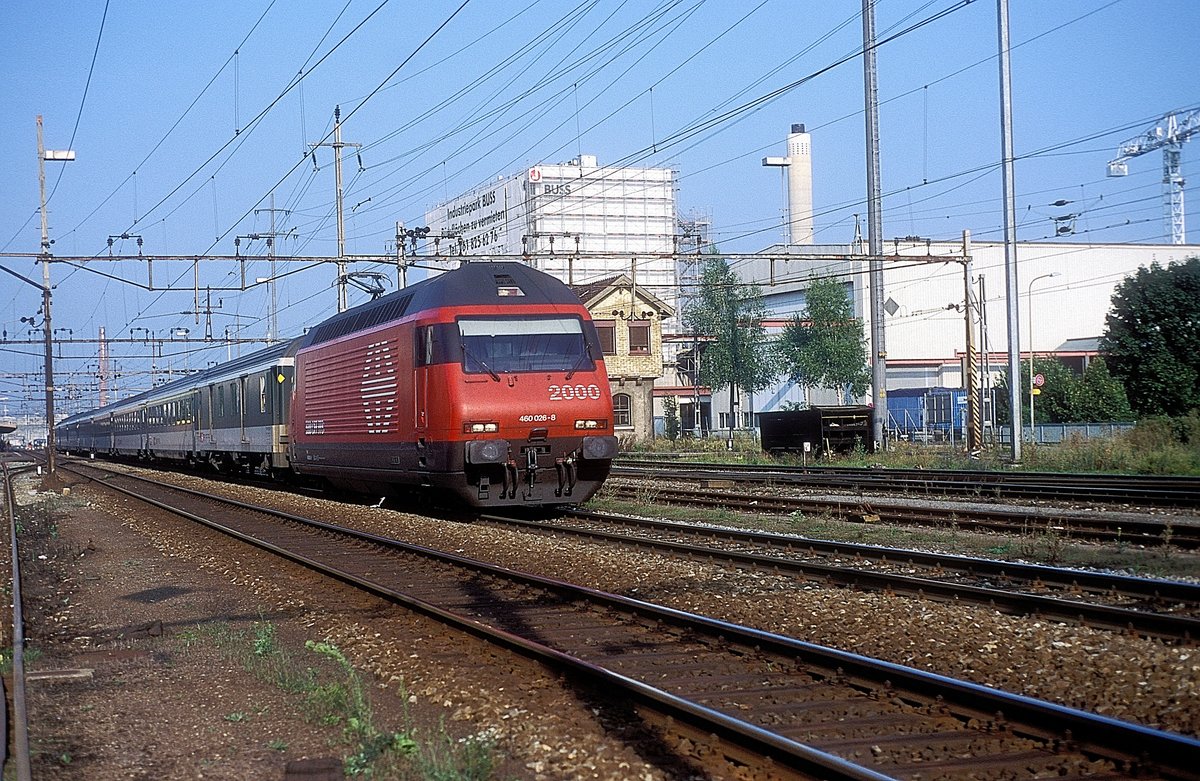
(486, 382)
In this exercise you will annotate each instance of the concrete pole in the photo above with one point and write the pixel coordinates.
(51, 463)
(341, 222)
(1011, 287)
(875, 230)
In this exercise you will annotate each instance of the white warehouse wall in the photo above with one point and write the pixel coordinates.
(925, 337)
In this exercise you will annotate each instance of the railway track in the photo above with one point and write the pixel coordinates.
(1141, 490)
(806, 710)
(1071, 525)
(1158, 608)
(19, 719)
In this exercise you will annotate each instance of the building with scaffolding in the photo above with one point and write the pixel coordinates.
(576, 220)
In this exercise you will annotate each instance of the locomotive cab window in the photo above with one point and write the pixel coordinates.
(508, 345)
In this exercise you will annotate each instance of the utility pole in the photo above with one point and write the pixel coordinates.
(401, 269)
(43, 156)
(974, 423)
(875, 229)
(273, 321)
(1011, 289)
(337, 145)
(102, 368)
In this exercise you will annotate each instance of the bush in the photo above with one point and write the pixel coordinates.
(1155, 446)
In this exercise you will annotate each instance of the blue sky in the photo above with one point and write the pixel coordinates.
(180, 140)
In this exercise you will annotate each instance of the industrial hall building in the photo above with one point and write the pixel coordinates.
(1064, 290)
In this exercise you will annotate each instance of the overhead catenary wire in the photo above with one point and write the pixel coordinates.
(902, 193)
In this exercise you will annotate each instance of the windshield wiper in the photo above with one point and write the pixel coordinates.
(587, 353)
(479, 361)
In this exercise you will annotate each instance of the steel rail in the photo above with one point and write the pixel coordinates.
(864, 509)
(1162, 625)
(20, 717)
(1131, 747)
(1139, 489)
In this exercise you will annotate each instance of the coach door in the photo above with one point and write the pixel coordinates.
(422, 356)
(241, 406)
(194, 418)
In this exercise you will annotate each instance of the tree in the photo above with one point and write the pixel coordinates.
(1100, 396)
(1051, 405)
(1150, 338)
(1066, 397)
(671, 418)
(731, 314)
(824, 347)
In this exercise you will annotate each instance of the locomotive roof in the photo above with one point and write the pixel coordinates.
(480, 283)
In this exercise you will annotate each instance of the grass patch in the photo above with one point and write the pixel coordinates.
(333, 694)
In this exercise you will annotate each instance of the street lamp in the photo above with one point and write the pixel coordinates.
(1029, 295)
(63, 155)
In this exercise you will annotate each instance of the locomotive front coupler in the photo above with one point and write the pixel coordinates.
(510, 479)
(565, 467)
(531, 467)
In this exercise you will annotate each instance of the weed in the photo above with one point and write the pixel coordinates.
(333, 694)
(264, 639)
(372, 745)
(466, 759)
(1046, 545)
(188, 637)
(1167, 535)
(646, 495)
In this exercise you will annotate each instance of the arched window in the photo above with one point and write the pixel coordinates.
(622, 406)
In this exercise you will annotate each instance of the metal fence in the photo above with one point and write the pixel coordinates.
(1056, 433)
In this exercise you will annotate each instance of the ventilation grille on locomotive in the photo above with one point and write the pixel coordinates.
(361, 320)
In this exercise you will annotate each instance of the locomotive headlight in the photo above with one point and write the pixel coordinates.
(487, 451)
(481, 428)
(591, 423)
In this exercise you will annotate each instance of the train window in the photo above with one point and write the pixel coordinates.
(516, 344)
(622, 410)
(606, 330)
(639, 338)
(422, 346)
(221, 400)
(262, 393)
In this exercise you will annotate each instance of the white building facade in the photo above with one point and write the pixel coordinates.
(1064, 293)
(575, 220)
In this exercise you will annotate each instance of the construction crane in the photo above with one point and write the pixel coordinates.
(1168, 134)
